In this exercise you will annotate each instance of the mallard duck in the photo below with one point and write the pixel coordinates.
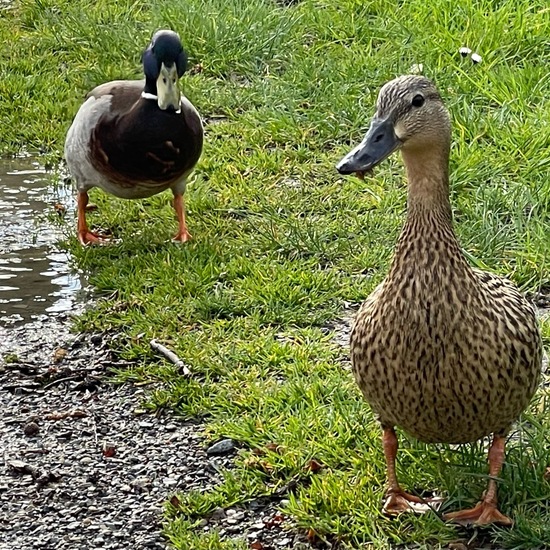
(446, 352)
(134, 138)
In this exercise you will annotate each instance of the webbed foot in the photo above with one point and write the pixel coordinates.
(484, 513)
(86, 237)
(398, 501)
(182, 236)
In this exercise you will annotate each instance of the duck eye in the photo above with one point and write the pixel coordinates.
(418, 101)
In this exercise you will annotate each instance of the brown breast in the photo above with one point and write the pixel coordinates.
(136, 142)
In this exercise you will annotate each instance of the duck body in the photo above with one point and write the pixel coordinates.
(134, 139)
(110, 146)
(446, 352)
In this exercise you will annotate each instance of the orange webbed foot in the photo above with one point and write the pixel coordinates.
(398, 501)
(87, 237)
(182, 237)
(484, 513)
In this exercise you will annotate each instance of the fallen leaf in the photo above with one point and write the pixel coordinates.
(254, 462)
(274, 521)
(271, 447)
(546, 475)
(109, 450)
(274, 448)
(175, 502)
(59, 354)
(257, 545)
(196, 69)
(60, 415)
(312, 536)
(314, 466)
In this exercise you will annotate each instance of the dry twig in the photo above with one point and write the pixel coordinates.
(171, 356)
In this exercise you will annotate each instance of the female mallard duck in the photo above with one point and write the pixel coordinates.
(134, 139)
(448, 353)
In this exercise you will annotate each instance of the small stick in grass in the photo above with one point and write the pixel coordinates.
(171, 356)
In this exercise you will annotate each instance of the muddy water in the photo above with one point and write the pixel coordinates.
(36, 280)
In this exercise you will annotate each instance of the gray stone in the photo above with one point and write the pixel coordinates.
(223, 447)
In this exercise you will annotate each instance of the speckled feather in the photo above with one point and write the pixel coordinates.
(447, 352)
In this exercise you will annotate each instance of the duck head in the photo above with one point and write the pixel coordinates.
(164, 62)
(409, 116)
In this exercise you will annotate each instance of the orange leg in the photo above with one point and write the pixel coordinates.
(397, 500)
(486, 511)
(182, 235)
(85, 236)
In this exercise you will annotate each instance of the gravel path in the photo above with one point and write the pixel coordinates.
(82, 465)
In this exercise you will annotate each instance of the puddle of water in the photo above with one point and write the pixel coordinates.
(35, 277)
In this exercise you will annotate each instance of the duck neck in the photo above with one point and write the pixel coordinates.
(428, 181)
(428, 239)
(150, 89)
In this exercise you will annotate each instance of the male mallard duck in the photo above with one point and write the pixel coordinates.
(134, 139)
(448, 353)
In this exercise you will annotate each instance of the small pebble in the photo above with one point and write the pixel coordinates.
(30, 429)
(217, 514)
(223, 447)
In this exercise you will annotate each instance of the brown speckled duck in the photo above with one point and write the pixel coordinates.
(134, 139)
(448, 353)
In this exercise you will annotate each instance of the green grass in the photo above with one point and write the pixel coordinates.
(282, 242)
